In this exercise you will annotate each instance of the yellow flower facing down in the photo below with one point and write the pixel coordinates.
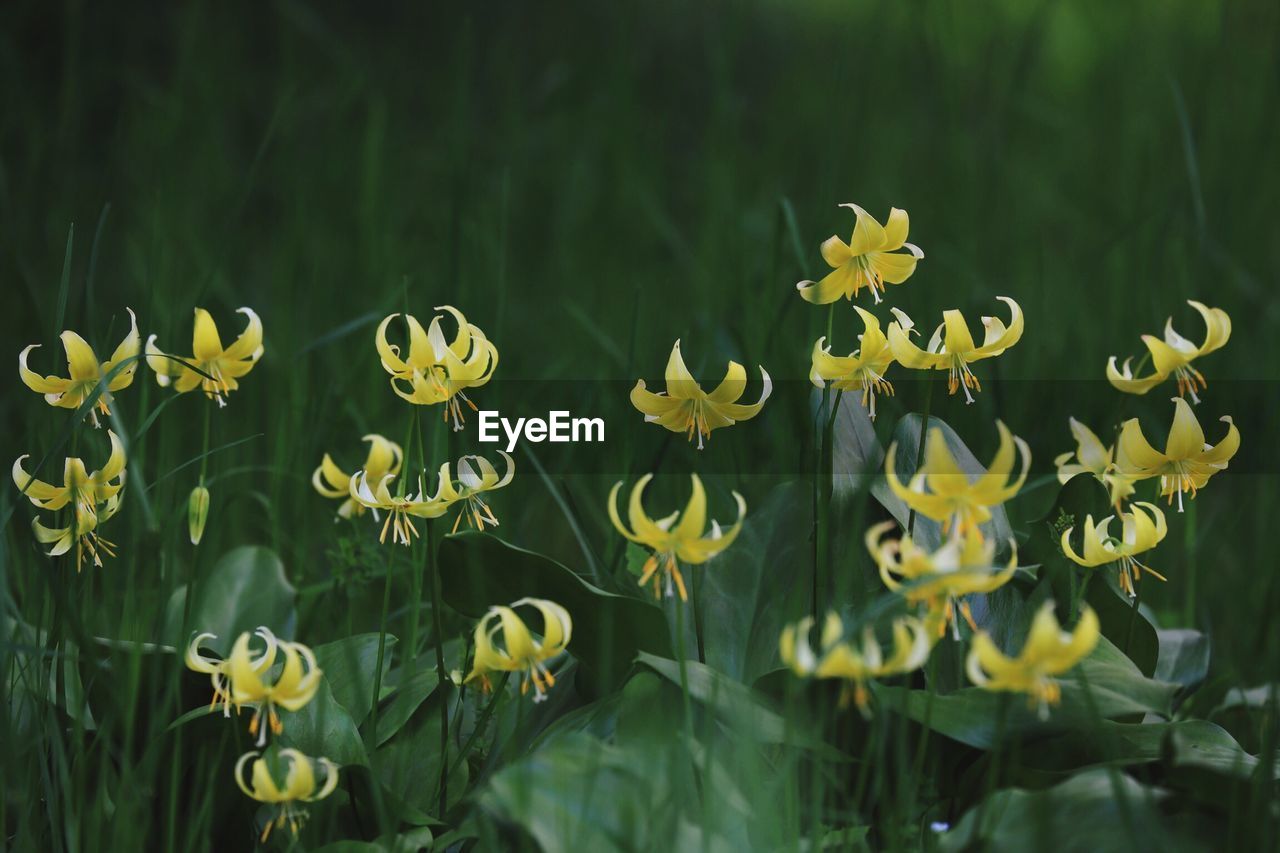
(1095, 458)
(437, 370)
(219, 670)
(251, 684)
(1174, 355)
(218, 368)
(961, 566)
(940, 490)
(84, 371)
(854, 664)
(1187, 462)
(1141, 529)
(952, 347)
(299, 786)
(869, 259)
(504, 643)
(685, 407)
(399, 507)
(674, 541)
(864, 368)
(331, 481)
(93, 497)
(1048, 652)
(476, 475)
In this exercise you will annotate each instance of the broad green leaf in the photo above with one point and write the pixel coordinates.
(244, 589)
(1184, 656)
(350, 666)
(324, 728)
(478, 571)
(400, 706)
(1092, 811)
(409, 764)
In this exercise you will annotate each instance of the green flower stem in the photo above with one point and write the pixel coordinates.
(1189, 548)
(924, 437)
(481, 722)
(684, 671)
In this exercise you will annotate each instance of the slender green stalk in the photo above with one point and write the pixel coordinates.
(684, 670)
(1133, 616)
(481, 722)
(382, 650)
(1189, 543)
(924, 438)
(434, 574)
(1078, 593)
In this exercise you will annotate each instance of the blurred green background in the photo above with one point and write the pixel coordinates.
(588, 182)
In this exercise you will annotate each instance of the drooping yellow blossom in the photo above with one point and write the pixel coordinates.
(1141, 529)
(864, 368)
(869, 259)
(219, 670)
(672, 541)
(332, 482)
(93, 497)
(84, 372)
(438, 371)
(940, 579)
(952, 348)
(685, 407)
(1049, 651)
(517, 650)
(1174, 355)
(476, 475)
(294, 687)
(398, 506)
(854, 664)
(1187, 462)
(217, 368)
(943, 492)
(299, 786)
(1093, 457)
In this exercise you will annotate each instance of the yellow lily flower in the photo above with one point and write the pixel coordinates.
(1187, 462)
(952, 348)
(867, 260)
(864, 368)
(1049, 651)
(1141, 529)
(332, 482)
(299, 786)
(398, 507)
(960, 566)
(219, 367)
(476, 475)
(219, 670)
(685, 407)
(293, 688)
(943, 492)
(1093, 457)
(438, 371)
(672, 541)
(519, 651)
(83, 533)
(84, 372)
(1174, 355)
(855, 665)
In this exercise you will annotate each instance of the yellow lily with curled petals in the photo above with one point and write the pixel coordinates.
(299, 786)
(685, 407)
(1049, 651)
(864, 368)
(84, 372)
(1141, 529)
(943, 492)
(476, 475)
(855, 665)
(961, 566)
(398, 507)
(670, 540)
(293, 688)
(1187, 462)
(518, 650)
(219, 670)
(869, 259)
(952, 348)
(1093, 457)
(1174, 355)
(82, 532)
(218, 368)
(330, 481)
(77, 485)
(436, 370)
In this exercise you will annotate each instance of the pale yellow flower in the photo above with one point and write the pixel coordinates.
(1174, 355)
(84, 372)
(518, 651)
(869, 259)
(863, 369)
(1095, 458)
(476, 475)
(955, 350)
(217, 368)
(329, 480)
(294, 686)
(1187, 462)
(219, 670)
(1141, 529)
(399, 507)
(299, 786)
